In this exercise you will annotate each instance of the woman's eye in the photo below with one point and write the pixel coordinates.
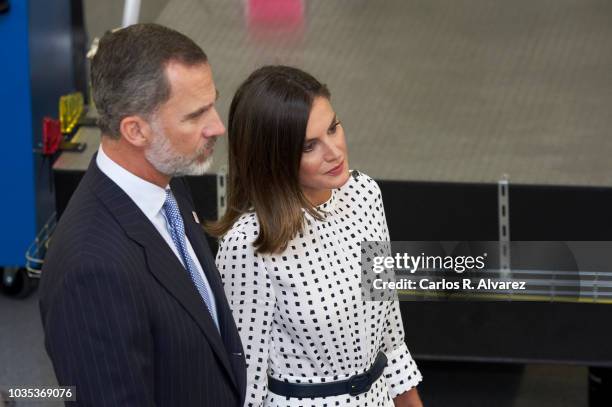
(333, 128)
(308, 147)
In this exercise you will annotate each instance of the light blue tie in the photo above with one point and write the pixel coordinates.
(177, 231)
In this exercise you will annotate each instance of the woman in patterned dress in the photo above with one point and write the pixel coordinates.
(290, 254)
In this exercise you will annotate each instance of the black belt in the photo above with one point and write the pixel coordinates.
(355, 385)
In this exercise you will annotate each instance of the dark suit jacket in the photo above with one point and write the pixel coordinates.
(123, 321)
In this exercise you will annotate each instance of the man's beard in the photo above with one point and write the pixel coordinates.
(164, 158)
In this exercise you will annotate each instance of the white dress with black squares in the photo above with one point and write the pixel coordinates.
(300, 314)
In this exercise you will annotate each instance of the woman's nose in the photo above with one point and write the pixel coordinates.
(333, 152)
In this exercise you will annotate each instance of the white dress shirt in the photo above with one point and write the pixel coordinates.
(150, 199)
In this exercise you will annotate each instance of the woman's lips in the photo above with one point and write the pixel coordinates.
(336, 170)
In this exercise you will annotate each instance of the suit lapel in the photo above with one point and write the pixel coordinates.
(183, 289)
(162, 262)
(198, 243)
(196, 236)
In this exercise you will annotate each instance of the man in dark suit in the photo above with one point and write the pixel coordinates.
(132, 304)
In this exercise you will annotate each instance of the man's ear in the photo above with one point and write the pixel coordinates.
(136, 131)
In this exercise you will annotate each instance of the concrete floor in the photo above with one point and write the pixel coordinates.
(450, 90)
(23, 359)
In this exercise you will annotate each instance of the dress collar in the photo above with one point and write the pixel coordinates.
(330, 204)
(325, 209)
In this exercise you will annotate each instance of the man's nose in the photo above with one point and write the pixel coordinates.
(218, 128)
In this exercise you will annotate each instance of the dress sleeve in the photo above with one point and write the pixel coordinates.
(401, 373)
(251, 298)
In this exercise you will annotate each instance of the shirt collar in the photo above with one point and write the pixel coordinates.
(147, 196)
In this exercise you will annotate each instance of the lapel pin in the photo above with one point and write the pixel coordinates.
(195, 217)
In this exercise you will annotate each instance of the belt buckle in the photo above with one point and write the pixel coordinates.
(360, 383)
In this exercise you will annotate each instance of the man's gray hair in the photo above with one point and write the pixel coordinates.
(128, 71)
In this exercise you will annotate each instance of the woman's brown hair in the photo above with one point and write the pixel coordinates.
(266, 131)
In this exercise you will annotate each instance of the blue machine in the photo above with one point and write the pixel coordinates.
(42, 46)
(17, 208)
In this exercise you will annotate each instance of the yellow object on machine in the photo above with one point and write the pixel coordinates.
(70, 110)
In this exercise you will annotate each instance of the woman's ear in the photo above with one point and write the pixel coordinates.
(136, 131)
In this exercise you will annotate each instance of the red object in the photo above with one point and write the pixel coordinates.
(284, 14)
(52, 136)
